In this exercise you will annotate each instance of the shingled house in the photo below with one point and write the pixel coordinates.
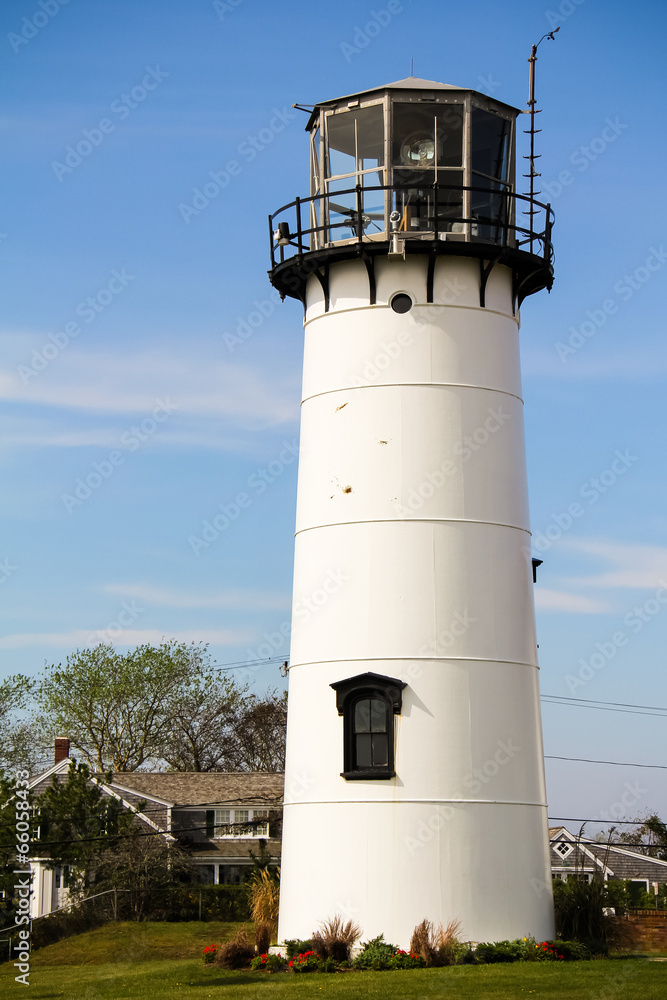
(219, 818)
(583, 857)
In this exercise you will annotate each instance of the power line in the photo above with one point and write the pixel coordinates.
(614, 763)
(597, 701)
(602, 708)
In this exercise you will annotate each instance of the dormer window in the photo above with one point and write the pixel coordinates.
(368, 704)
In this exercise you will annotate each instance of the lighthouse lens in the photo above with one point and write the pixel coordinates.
(419, 151)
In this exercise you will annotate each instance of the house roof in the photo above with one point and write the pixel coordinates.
(620, 861)
(190, 788)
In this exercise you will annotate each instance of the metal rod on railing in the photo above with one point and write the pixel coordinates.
(297, 203)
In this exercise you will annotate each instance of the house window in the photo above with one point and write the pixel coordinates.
(368, 704)
(563, 849)
(235, 823)
(232, 874)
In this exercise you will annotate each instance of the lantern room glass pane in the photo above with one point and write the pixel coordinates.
(355, 141)
(490, 144)
(415, 200)
(426, 136)
(344, 223)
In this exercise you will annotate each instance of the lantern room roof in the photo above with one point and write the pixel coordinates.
(409, 83)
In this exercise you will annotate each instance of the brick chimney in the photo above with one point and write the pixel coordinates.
(61, 749)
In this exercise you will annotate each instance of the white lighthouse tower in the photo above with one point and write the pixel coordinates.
(414, 783)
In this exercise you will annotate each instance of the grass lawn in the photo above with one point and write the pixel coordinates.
(631, 979)
(152, 961)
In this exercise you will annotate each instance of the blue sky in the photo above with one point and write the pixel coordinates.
(142, 343)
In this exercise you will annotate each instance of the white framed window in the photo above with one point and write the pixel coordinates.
(563, 848)
(229, 823)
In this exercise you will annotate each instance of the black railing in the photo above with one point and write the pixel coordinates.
(411, 211)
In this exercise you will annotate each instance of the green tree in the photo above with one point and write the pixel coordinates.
(649, 836)
(259, 733)
(202, 734)
(118, 709)
(143, 868)
(19, 746)
(16, 816)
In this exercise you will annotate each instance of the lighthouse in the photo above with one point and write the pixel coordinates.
(414, 781)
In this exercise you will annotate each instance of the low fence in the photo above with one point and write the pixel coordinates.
(170, 903)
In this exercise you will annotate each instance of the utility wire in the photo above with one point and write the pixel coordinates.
(614, 763)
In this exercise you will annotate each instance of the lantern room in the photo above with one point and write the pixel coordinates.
(414, 167)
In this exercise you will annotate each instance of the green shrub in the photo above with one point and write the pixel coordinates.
(572, 951)
(579, 909)
(328, 965)
(296, 947)
(267, 963)
(500, 951)
(306, 961)
(375, 954)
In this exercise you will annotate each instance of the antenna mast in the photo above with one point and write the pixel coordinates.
(532, 132)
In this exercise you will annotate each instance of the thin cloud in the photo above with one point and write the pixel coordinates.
(634, 567)
(161, 597)
(559, 600)
(81, 638)
(102, 383)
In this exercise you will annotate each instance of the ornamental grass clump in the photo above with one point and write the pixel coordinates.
(437, 945)
(263, 938)
(236, 954)
(263, 895)
(335, 939)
